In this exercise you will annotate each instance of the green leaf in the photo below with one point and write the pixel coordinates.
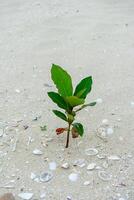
(83, 88)
(79, 128)
(74, 101)
(62, 80)
(60, 115)
(56, 98)
(86, 105)
(91, 104)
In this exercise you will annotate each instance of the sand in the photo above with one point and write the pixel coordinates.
(86, 38)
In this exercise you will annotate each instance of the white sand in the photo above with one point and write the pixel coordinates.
(87, 38)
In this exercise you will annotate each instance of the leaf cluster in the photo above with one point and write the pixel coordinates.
(68, 98)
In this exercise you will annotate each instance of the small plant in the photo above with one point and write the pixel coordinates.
(67, 100)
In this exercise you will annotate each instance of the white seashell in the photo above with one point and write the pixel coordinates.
(104, 176)
(91, 152)
(1, 132)
(99, 100)
(114, 157)
(25, 196)
(110, 131)
(8, 186)
(98, 167)
(17, 91)
(33, 176)
(105, 121)
(73, 177)
(91, 166)
(65, 165)
(45, 177)
(79, 163)
(101, 156)
(42, 195)
(105, 164)
(37, 152)
(52, 165)
(87, 183)
(69, 198)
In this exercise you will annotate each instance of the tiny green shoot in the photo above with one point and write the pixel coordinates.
(71, 101)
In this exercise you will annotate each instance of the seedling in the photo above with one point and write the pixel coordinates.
(68, 100)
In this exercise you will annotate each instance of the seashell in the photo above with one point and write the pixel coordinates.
(105, 164)
(86, 183)
(65, 165)
(91, 152)
(73, 177)
(52, 166)
(25, 196)
(114, 157)
(105, 121)
(91, 166)
(37, 152)
(103, 156)
(110, 131)
(104, 176)
(69, 198)
(42, 195)
(33, 176)
(79, 163)
(46, 176)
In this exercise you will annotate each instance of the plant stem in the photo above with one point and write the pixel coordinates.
(68, 134)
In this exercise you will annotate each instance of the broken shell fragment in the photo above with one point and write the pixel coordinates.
(114, 157)
(104, 176)
(37, 152)
(79, 163)
(91, 152)
(91, 166)
(110, 131)
(73, 177)
(25, 196)
(65, 165)
(45, 177)
(87, 183)
(52, 165)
